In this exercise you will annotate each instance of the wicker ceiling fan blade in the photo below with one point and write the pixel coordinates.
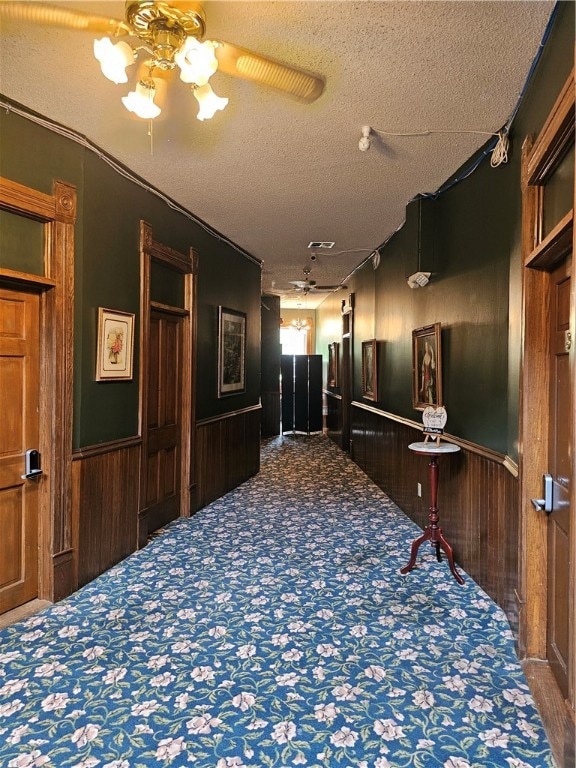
(249, 65)
(327, 287)
(53, 16)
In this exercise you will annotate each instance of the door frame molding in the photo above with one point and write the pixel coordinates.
(57, 572)
(540, 254)
(187, 265)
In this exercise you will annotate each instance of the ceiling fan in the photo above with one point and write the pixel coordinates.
(166, 35)
(310, 286)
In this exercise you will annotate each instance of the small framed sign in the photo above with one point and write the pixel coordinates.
(434, 420)
(115, 345)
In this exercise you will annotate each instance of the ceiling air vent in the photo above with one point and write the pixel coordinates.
(321, 244)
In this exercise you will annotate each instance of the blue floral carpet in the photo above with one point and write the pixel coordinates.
(272, 629)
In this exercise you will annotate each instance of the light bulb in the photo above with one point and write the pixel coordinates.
(209, 102)
(197, 61)
(113, 59)
(141, 100)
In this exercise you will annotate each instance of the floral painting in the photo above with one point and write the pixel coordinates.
(115, 344)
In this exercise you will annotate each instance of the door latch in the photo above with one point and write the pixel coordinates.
(32, 469)
(567, 341)
(545, 504)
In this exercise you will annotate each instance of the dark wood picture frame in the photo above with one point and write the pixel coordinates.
(333, 364)
(369, 370)
(427, 366)
(231, 352)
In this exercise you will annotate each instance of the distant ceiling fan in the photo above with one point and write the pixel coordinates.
(169, 35)
(310, 286)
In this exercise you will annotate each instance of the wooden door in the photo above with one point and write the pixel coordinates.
(164, 419)
(19, 413)
(559, 645)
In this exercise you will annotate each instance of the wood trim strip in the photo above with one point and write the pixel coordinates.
(180, 261)
(554, 136)
(169, 309)
(60, 265)
(229, 415)
(556, 245)
(332, 394)
(479, 450)
(187, 396)
(24, 200)
(99, 449)
(24, 278)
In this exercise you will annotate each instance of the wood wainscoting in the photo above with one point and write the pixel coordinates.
(105, 502)
(270, 413)
(477, 498)
(227, 452)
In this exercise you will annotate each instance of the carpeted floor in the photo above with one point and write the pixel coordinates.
(272, 629)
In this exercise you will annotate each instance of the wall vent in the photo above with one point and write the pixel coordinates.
(327, 244)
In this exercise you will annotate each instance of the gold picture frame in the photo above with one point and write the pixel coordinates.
(333, 364)
(369, 370)
(427, 366)
(115, 345)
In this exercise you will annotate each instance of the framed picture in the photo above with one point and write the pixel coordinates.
(369, 370)
(333, 364)
(427, 366)
(231, 352)
(114, 354)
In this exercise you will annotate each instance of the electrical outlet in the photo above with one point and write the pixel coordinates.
(419, 490)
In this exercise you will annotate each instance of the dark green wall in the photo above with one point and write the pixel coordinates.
(107, 274)
(475, 291)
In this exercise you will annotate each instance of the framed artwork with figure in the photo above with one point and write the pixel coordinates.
(333, 364)
(369, 370)
(427, 366)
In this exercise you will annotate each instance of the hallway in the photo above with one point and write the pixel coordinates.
(271, 629)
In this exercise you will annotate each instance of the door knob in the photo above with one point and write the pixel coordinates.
(545, 504)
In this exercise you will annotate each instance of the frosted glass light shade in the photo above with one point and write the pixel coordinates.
(197, 61)
(141, 101)
(209, 102)
(113, 59)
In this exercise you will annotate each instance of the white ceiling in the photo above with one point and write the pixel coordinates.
(271, 173)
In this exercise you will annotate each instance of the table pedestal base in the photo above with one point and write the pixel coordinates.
(437, 540)
(432, 532)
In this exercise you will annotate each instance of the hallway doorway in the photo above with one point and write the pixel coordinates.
(548, 528)
(20, 409)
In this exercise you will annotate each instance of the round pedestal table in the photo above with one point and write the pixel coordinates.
(433, 532)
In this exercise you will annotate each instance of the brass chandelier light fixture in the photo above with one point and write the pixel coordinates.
(167, 36)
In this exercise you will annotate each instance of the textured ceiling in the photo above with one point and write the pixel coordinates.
(273, 174)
